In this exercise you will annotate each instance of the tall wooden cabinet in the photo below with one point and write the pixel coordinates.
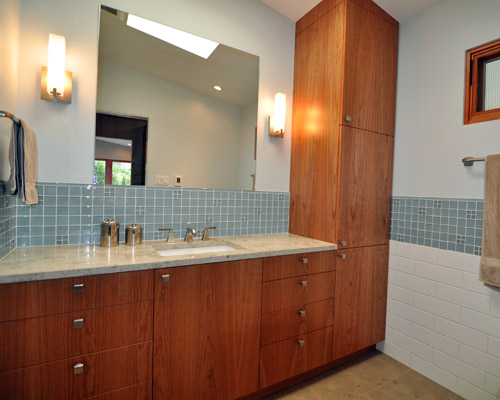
(342, 154)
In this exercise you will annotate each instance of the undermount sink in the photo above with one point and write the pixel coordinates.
(197, 248)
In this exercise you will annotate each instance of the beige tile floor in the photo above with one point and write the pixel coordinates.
(373, 376)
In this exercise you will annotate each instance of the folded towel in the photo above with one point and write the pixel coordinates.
(23, 159)
(489, 271)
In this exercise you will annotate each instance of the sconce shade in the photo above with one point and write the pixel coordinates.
(277, 119)
(56, 83)
(56, 64)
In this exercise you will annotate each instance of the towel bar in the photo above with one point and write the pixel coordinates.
(7, 114)
(468, 161)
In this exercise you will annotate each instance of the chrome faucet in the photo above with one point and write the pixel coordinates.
(190, 232)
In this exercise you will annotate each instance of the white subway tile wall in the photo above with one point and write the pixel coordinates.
(72, 214)
(443, 322)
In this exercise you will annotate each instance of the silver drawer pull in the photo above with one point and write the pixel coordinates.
(302, 343)
(343, 243)
(343, 256)
(165, 278)
(305, 260)
(78, 369)
(78, 323)
(302, 313)
(303, 283)
(78, 288)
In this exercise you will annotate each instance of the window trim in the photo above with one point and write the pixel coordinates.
(474, 58)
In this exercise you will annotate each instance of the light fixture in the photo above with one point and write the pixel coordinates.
(192, 43)
(277, 119)
(217, 87)
(56, 82)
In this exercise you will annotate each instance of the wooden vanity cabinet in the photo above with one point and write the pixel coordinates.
(297, 315)
(206, 331)
(62, 340)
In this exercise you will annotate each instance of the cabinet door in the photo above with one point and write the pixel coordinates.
(365, 188)
(316, 108)
(360, 299)
(371, 56)
(207, 330)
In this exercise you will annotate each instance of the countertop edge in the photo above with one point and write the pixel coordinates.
(117, 268)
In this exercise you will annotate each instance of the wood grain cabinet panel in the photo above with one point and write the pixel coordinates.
(296, 321)
(142, 391)
(38, 340)
(370, 72)
(292, 292)
(207, 331)
(315, 127)
(35, 299)
(360, 299)
(365, 188)
(297, 264)
(285, 359)
(102, 372)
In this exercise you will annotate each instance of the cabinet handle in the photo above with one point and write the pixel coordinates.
(302, 343)
(303, 283)
(78, 323)
(343, 256)
(78, 369)
(343, 243)
(348, 118)
(302, 313)
(305, 260)
(78, 288)
(165, 278)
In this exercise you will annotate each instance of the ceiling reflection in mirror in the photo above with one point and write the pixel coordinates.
(204, 134)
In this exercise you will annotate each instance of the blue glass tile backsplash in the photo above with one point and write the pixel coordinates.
(449, 224)
(72, 214)
(7, 224)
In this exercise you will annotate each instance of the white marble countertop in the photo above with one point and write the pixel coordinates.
(51, 262)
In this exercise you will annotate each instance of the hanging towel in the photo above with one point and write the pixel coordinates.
(489, 271)
(23, 159)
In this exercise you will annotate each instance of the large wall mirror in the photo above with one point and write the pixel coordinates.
(160, 114)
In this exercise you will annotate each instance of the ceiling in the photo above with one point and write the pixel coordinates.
(401, 10)
(235, 71)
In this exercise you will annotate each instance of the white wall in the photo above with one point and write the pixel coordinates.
(189, 133)
(443, 322)
(9, 48)
(430, 137)
(68, 130)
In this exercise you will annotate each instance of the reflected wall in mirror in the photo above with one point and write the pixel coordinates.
(205, 135)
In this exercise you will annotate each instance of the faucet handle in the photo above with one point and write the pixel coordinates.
(205, 236)
(170, 231)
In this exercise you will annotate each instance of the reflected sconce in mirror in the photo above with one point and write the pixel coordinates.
(56, 83)
(277, 119)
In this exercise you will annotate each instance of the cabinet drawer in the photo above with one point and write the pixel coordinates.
(292, 292)
(142, 391)
(297, 265)
(285, 359)
(56, 337)
(35, 299)
(296, 321)
(102, 372)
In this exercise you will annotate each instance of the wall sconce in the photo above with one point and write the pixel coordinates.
(277, 119)
(56, 82)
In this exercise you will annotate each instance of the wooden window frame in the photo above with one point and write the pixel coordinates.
(108, 178)
(475, 59)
